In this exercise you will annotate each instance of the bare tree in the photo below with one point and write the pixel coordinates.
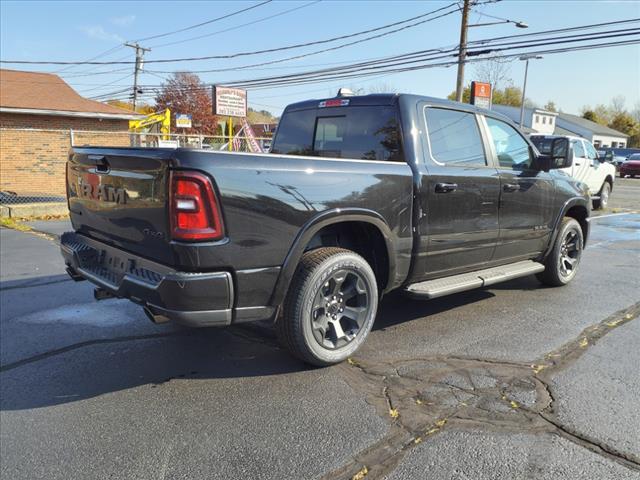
(382, 87)
(617, 104)
(636, 112)
(494, 71)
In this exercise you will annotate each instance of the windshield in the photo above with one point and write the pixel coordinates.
(362, 133)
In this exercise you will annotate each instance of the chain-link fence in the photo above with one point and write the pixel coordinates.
(173, 140)
(33, 161)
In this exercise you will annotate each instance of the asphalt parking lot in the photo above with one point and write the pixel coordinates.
(514, 381)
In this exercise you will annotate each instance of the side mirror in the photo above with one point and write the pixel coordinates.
(560, 154)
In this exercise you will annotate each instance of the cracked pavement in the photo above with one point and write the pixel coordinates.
(513, 381)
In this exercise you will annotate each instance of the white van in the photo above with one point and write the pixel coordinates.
(586, 166)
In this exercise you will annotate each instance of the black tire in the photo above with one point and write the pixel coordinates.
(562, 262)
(324, 335)
(604, 193)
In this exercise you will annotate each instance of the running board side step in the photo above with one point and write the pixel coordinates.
(468, 281)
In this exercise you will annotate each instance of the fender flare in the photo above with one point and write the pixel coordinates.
(313, 226)
(572, 202)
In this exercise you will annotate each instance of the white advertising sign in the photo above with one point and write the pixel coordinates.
(229, 102)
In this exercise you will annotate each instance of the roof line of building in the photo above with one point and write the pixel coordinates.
(69, 113)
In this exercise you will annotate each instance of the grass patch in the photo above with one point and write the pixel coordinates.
(14, 224)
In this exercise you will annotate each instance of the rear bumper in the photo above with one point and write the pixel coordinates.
(193, 299)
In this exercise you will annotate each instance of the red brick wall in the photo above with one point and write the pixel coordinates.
(33, 161)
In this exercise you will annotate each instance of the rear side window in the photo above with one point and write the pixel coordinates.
(454, 137)
(361, 133)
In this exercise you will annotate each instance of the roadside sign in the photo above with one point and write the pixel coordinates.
(168, 144)
(481, 94)
(183, 120)
(229, 102)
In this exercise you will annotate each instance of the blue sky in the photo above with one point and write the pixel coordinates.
(81, 30)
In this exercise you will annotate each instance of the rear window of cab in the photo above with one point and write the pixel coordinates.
(360, 133)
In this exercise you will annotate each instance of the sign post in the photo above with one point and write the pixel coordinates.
(481, 94)
(229, 102)
(183, 120)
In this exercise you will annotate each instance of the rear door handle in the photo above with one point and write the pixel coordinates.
(446, 187)
(511, 187)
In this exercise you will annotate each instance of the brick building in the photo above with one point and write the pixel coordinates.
(39, 116)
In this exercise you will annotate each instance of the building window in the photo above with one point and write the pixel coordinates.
(544, 120)
(551, 121)
(622, 145)
(614, 144)
(596, 143)
(537, 118)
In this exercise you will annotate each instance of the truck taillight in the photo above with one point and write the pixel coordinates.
(194, 210)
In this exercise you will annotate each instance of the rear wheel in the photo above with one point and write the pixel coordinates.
(562, 263)
(603, 201)
(330, 306)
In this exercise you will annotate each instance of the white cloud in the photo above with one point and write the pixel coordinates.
(123, 21)
(99, 33)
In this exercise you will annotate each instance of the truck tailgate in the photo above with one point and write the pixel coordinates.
(120, 196)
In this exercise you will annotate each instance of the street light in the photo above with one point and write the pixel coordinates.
(524, 87)
(517, 24)
(462, 53)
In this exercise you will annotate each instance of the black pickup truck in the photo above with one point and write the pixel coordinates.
(359, 196)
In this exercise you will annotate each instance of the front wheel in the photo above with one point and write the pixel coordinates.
(330, 306)
(562, 262)
(603, 201)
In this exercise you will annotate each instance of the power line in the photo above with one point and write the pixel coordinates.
(297, 57)
(237, 26)
(270, 50)
(443, 52)
(431, 56)
(191, 27)
(316, 76)
(107, 84)
(483, 47)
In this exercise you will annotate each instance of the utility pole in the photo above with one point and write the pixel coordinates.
(140, 51)
(462, 53)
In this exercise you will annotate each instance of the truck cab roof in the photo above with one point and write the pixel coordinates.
(385, 99)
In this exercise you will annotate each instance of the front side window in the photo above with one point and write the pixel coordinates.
(512, 150)
(591, 152)
(361, 133)
(454, 137)
(578, 150)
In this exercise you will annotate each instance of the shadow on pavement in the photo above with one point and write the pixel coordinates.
(109, 364)
(112, 365)
(34, 281)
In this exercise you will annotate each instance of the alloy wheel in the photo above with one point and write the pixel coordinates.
(570, 251)
(340, 309)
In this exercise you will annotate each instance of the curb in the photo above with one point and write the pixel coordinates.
(26, 210)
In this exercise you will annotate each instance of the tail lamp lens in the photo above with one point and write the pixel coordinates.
(194, 209)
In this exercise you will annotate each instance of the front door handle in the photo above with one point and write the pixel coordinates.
(445, 187)
(511, 187)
